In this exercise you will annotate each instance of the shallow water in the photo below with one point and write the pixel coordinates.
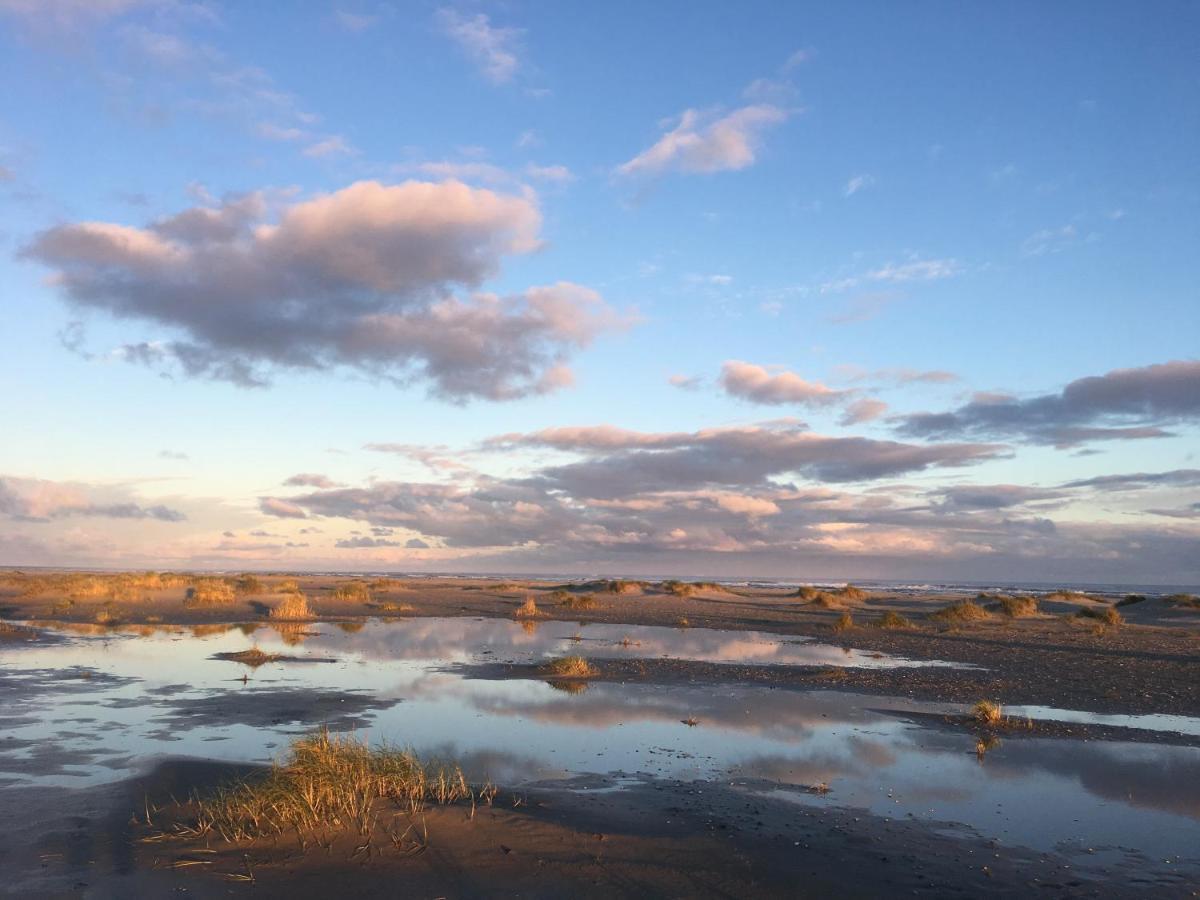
(98, 707)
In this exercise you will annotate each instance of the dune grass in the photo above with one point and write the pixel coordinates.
(210, 592)
(528, 609)
(249, 584)
(845, 622)
(960, 612)
(1016, 607)
(833, 598)
(689, 588)
(570, 667)
(118, 586)
(330, 782)
(1072, 596)
(987, 712)
(893, 621)
(1132, 599)
(568, 600)
(1106, 616)
(1187, 601)
(353, 592)
(293, 607)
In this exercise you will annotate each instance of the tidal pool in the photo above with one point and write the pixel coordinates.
(99, 705)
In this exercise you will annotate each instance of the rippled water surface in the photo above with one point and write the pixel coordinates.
(100, 705)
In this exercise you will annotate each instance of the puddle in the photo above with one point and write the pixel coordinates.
(97, 707)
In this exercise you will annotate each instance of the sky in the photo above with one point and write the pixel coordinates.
(801, 291)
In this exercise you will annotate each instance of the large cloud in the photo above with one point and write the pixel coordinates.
(698, 145)
(1122, 404)
(760, 385)
(36, 499)
(362, 278)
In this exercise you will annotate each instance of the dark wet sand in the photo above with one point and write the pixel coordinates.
(655, 838)
(652, 839)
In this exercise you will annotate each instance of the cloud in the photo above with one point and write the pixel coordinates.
(858, 183)
(1124, 404)
(39, 500)
(67, 15)
(310, 479)
(273, 506)
(556, 174)
(335, 145)
(757, 384)
(893, 273)
(864, 410)
(991, 496)
(172, 454)
(701, 144)
(1134, 481)
(360, 278)
(415, 544)
(686, 382)
(493, 50)
(358, 543)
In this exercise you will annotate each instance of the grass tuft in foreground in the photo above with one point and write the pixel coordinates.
(210, 592)
(330, 781)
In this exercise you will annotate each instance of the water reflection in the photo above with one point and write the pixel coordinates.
(163, 694)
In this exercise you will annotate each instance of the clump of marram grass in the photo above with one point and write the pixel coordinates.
(1071, 596)
(503, 586)
(528, 609)
(248, 584)
(570, 667)
(959, 612)
(210, 592)
(1188, 601)
(353, 592)
(987, 712)
(392, 606)
(893, 621)
(293, 607)
(288, 586)
(832, 598)
(1016, 607)
(331, 781)
(1106, 616)
(1131, 599)
(845, 622)
(682, 622)
(568, 600)
(689, 588)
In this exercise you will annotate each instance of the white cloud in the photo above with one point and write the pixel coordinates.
(760, 385)
(700, 144)
(492, 49)
(858, 183)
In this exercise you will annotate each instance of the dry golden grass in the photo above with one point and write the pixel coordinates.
(570, 667)
(249, 584)
(287, 586)
(1187, 601)
(845, 622)
(392, 606)
(682, 622)
(119, 586)
(574, 601)
(1016, 607)
(1071, 596)
(987, 712)
(893, 621)
(353, 592)
(331, 782)
(830, 599)
(528, 609)
(962, 611)
(210, 592)
(293, 607)
(1108, 615)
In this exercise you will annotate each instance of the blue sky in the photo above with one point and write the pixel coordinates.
(762, 240)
